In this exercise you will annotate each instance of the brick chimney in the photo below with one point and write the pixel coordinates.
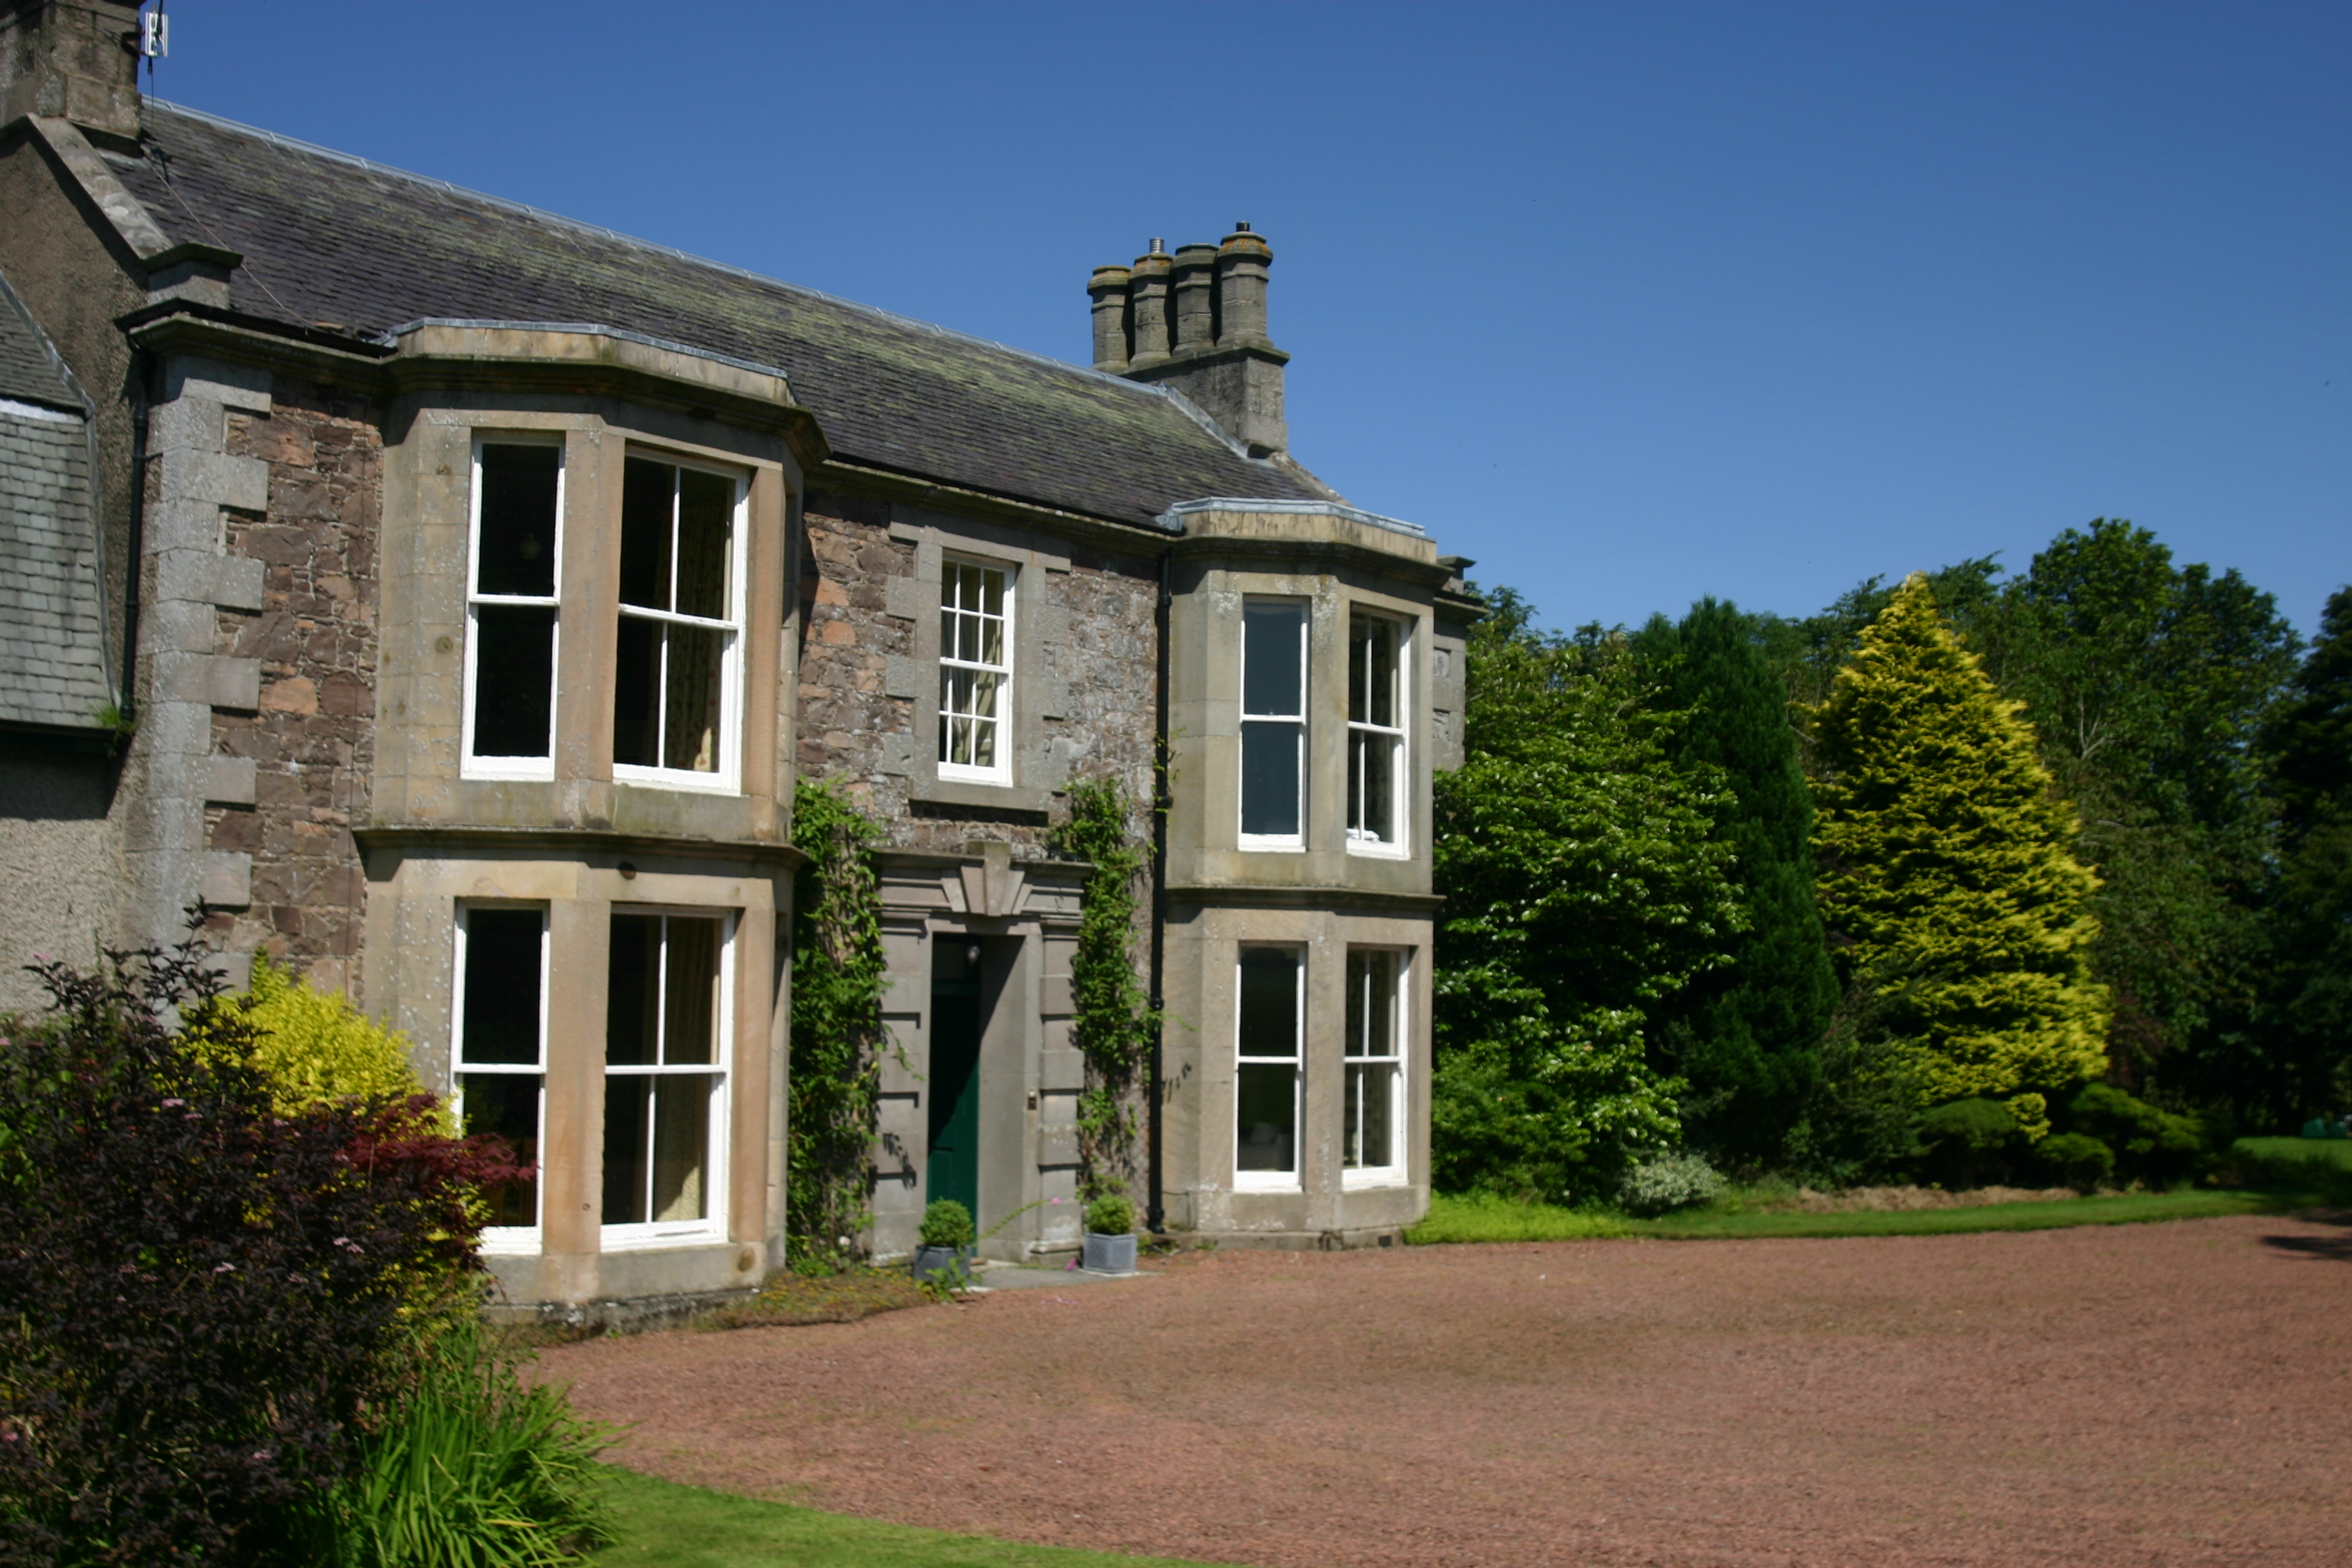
(72, 59)
(1208, 341)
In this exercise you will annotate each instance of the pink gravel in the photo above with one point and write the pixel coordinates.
(2140, 1395)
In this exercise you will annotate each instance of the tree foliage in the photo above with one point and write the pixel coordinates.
(2297, 1062)
(202, 1291)
(1113, 1026)
(1583, 884)
(1745, 1035)
(1945, 859)
(837, 1034)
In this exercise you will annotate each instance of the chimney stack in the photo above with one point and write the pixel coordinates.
(1207, 341)
(75, 60)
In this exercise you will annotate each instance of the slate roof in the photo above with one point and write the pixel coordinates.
(331, 239)
(52, 647)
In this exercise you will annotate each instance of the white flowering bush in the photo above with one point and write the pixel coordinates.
(1668, 1183)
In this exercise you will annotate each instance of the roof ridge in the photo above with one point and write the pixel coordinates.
(312, 149)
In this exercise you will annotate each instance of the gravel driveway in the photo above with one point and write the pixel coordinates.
(2142, 1394)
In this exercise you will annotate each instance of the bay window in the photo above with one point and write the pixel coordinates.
(666, 1032)
(1273, 723)
(1270, 1027)
(511, 603)
(677, 692)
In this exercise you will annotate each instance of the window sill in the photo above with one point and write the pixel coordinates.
(528, 770)
(511, 1241)
(1378, 850)
(998, 795)
(651, 1237)
(1249, 844)
(1266, 1181)
(691, 784)
(1372, 1180)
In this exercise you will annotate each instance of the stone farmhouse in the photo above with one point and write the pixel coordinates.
(448, 596)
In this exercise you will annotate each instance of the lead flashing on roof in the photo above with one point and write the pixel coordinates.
(1173, 517)
(592, 329)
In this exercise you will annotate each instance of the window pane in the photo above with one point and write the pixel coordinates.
(1372, 765)
(1273, 639)
(690, 1025)
(515, 552)
(1270, 779)
(633, 990)
(1372, 1115)
(1269, 1002)
(647, 491)
(628, 1103)
(690, 738)
(514, 679)
(1265, 1134)
(681, 1146)
(706, 533)
(636, 692)
(1373, 671)
(500, 1017)
(506, 1104)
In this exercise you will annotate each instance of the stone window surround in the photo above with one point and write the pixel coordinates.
(597, 445)
(414, 897)
(1033, 560)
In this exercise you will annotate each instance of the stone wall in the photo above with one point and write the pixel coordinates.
(310, 740)
(1094, 621)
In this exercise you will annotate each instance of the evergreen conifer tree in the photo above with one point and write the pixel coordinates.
(1947, 872)
(2299, 1056)
(1746, 1037)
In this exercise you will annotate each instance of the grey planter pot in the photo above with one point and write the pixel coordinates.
(1107, 1254)
(931, 1260)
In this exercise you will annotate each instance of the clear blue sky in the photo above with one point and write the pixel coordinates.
(1631, 303)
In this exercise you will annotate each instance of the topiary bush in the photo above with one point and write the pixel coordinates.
(2081, 1162)
(204, 1292)
(1110, 1215)
(1668, 1183)
(2150, 1144)
(1968, 1143)
(946, 1222)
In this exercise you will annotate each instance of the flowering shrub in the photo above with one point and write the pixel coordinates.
(1669, 1182)
(202, 1293)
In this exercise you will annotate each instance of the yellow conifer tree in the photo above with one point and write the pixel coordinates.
(1948, 876)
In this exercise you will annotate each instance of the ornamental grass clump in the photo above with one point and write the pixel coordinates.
(471, 1468)
(1668, 1183)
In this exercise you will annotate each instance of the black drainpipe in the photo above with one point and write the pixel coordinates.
(1155, 1213)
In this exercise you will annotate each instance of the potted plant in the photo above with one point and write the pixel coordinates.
(943, 1245)
(1109, 1245)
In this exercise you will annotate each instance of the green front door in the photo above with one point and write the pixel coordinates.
(955, 1093)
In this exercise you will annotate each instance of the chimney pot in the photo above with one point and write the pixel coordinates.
(1147, 297)
(1242, 262)
(1108, 289)
(1195, 321)
(77, 62)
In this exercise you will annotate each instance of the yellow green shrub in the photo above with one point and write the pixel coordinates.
(314, 1046)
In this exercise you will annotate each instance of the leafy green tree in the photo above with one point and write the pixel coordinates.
(1745, 1035)
(2147, 681)
(2297, 1059)
(1945, 859)
(1583, 883)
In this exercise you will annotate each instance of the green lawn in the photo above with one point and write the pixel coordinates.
(1499, 1219)
(667, 1526)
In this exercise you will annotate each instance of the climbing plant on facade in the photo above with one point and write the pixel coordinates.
(1114, 1024)
(1947, 860)
(838, 1037)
